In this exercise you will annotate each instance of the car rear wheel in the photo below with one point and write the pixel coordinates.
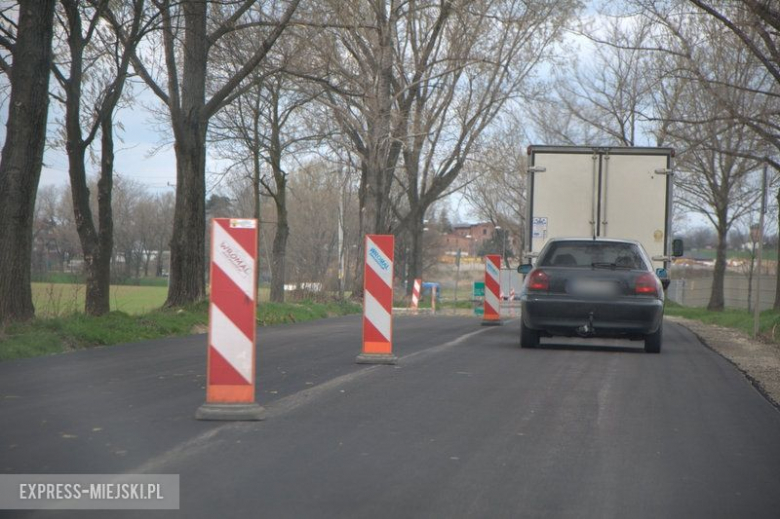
(654, 340)
(528, 338)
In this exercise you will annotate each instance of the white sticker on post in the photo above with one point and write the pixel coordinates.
(242, 223)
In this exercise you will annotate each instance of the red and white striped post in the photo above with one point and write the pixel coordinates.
(378, 301)
(492, 303)
(230, 390)
(416, 294)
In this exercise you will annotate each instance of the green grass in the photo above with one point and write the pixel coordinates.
(769, 320)
(61, 333)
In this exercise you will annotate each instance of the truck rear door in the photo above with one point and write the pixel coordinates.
(634, 198)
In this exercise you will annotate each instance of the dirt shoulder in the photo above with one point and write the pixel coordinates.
(759, 361)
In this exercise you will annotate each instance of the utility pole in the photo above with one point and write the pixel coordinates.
(756, 309)
(457, 274)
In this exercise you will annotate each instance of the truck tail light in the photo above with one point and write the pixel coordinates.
(646, 285)
(538, 280)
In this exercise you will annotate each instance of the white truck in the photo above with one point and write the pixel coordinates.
(608, 192)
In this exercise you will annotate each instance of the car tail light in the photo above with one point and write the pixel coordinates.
(646, 284)
(538, 280)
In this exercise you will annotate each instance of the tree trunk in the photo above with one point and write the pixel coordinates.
(159, 260)
(188, 244)
(751, 269)
(22, 156)
(97, 267)
(98, 301)
(776, 305)
(415, 270)
(716, 296)
(189, 229)
(279, 255)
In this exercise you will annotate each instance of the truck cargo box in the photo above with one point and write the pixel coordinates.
(612, 192)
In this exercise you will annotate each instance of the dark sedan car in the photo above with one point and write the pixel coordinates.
(592, 288)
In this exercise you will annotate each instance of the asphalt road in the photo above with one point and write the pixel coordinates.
(465, 425)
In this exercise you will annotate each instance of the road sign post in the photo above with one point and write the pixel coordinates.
(378, 301)
(230, 384)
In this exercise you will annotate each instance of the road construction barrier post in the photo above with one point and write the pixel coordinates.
(512, 307)
(416, 294)
(491, 316)
(230, 384)
(378, 301)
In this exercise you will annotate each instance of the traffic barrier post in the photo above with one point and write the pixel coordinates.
(230, 384)
(378, 301)
(416, 294)
(492, 304)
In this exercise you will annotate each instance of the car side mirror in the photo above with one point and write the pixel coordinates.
(677, 247)
(525, 268)
(663, 275)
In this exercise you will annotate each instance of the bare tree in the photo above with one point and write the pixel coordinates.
(313, 240)
(161, 227)
(265, 126)
(357, 59)
(609, 95)
(92, 70)
(496, 174)
(487, 53)
(713, 175)
(692, 55)
(129, 195)
(756, 24)
(191, 30)
(747, 29)
(27, 39)
(54, 239)
(422, 80)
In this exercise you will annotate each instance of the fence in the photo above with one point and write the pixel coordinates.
(694, 290)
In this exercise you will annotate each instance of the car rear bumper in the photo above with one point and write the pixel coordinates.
(614, 318)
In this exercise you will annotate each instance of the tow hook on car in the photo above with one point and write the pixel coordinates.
(586, 329)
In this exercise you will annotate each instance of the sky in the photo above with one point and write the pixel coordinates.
(135, 149)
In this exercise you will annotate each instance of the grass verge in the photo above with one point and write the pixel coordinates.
(769, 320)
(44, 336)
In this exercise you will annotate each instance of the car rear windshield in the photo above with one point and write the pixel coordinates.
(593, 254)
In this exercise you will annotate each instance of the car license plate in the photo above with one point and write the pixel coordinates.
(592, 287)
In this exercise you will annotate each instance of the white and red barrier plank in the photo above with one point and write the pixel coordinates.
(492, 302)
(230, 390)
(378, 301)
